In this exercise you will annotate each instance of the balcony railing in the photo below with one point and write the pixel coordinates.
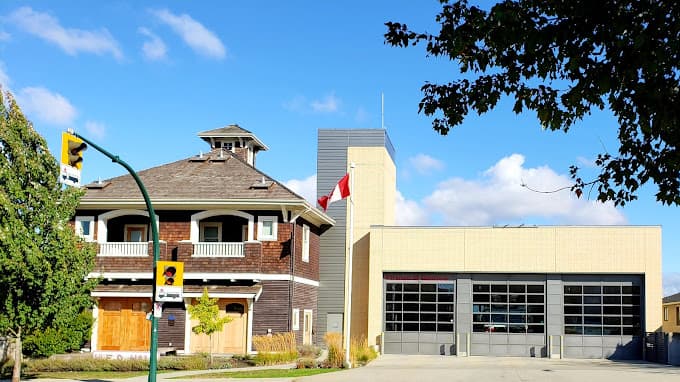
(218, 250)
(133, 249)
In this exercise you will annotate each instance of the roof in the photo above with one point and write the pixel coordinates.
(672, 298)
(218, 179)
(230, 131)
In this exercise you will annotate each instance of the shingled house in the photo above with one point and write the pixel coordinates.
(248, 239)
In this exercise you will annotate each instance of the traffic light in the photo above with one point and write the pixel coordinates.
(169, 273)
(72, 149)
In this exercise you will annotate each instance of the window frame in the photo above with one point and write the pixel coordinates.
(295, 319)
(201, 231)
(274, 235)
(665, 313)
(78, 227)
(127, 228)
(305, 243)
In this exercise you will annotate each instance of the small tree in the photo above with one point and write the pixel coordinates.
(44, 265)
(207, 312)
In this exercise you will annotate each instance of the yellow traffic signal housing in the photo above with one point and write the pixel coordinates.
(72, 149)
(170, 273)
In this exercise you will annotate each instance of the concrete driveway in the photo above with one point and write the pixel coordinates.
(395, 368)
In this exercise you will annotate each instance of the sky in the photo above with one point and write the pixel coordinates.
(142, 78)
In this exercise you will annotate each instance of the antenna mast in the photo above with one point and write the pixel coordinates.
(382, 110)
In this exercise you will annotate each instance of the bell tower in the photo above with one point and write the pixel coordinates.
(233, 138)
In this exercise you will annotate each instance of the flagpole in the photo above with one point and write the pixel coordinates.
(348, 318)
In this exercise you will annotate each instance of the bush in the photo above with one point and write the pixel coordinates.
(66, 338)
(360, 352)
(275, 349)
(306, 363)
(335, 358)
(308, 351)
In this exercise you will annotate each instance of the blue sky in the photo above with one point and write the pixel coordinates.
(142, 78)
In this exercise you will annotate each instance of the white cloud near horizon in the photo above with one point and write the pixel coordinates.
(49, 107)
(154, 48)
(498, 197)
(304, 187)
(95, 129)
(425, 164)
(4, 77)
(671, 283)
(409, 212)
(70, 40)
(194, 34)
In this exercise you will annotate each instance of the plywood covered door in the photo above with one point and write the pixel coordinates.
(232, 338)
(123, 325)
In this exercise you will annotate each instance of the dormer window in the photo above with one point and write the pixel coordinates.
(228, 145)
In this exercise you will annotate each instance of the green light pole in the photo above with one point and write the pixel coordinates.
(156, 253)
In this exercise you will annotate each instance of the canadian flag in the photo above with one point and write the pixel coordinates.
(341, 191)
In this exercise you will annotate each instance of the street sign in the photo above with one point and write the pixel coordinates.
(169, 281)
(71, 161)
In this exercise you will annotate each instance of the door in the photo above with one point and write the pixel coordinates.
(232, 338)
(307, 328)
(135, 233)
(123, 325)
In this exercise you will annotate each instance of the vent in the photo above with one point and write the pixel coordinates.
(262, 184)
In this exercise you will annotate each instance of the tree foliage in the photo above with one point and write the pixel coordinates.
(561, 59)
(43, 265)
(207, 313)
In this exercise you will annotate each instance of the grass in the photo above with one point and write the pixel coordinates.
(86, 375)
(265, 373)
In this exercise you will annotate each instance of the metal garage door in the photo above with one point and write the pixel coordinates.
(508, 318)
(419, 317)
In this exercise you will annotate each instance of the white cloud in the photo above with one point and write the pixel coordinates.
(95, 129)
(409, 212)
(46, 106)
(194, 34)
(329, 104)
(498, 197)
(425, 164)
(4, 78)
(304, 187)
(300, 104)
(69, 40)
(153, 48)
(4, 36)
(671, 283)
(362, 116)
(585, 162)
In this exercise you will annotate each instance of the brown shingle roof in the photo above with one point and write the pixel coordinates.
(232, 131)
(672, 298)
(214, 176)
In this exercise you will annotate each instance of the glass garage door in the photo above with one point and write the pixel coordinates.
(419, 317)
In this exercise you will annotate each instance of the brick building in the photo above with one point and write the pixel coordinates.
(252, 242)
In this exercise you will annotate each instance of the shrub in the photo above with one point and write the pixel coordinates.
(67, 337)
(306, 363)
(360, 352)
(275, 349)
(333, 341)
(308, 351)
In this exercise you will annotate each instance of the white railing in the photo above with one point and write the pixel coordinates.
(133, 249)
(218, 250)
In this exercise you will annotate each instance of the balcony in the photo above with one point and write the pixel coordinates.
(218, 250)
(124, 249)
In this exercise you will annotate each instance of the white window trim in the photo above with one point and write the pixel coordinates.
(275, 223)
(305, 243)
(79, 231)
(665, 313)
(146, 231)
(210, 224)
(296, 319)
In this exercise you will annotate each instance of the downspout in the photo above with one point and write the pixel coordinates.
(291, 292)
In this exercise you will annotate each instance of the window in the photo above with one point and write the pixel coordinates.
(135, 233)
(665, 313)
(211, 232)
(305, 243)
(235, 308)
(85, 227)
(508, 308)
(602, 309)
(426, 306)
(677, 315)
(267, 228)
(296, 319)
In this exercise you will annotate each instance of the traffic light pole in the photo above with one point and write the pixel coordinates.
(156, 253)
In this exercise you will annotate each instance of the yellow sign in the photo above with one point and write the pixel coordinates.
(170, 273)
(72, 149)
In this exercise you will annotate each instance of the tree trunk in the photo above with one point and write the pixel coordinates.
(16, 372)
(210, 363)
